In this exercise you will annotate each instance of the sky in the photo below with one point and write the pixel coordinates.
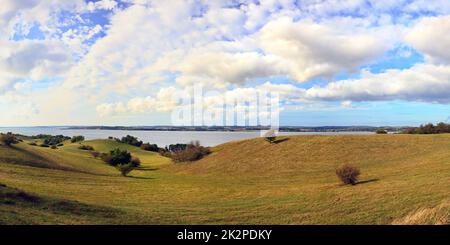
(110, 62)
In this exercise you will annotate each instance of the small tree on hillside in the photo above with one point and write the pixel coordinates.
(270, 136)
(117, 157)
(8, 139)
(131, 140)
(125, 169)
(77, 139)
(193, 152)
(121, 160)
(136, 162)
(348, 174)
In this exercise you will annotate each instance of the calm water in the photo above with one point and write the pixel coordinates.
(162, 138)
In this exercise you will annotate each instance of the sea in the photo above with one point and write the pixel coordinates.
(161, 138)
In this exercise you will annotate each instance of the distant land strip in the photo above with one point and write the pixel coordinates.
(244, 128)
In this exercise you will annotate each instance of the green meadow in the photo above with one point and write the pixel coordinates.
(405, 179)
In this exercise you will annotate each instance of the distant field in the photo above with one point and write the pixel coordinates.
(405, 179)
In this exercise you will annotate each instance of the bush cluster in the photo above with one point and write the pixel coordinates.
(125, 169)
(121, 160)
(50, 139)
(270, 136)
(86, 147)
(77, 139)
(348, 174)
(429, 128)
(193, 152)
(116, 157)
(8, 139)
(131, 140)
(150, 147)
(134, 141)
(381, 131)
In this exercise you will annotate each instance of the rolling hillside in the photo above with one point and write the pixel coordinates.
(405, 179)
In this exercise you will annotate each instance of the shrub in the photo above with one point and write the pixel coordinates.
(95, 154)
(86, 148)
(187, 155)
(44, 145)
(429, 128)
(59, 145)
(271, 139)
(150, 147)
(125, 168)
(53, 147)
(442, 128)
(131, 140)
(50, 139)
(193, 152)
(33, 143)
(410, 131)
(177, 147)
(77, 139)
(348, 174)
(270, 136)
(117, 157)
(165, 153)
(136, 162)
(105, 157)
(8, 139)
(381, 131)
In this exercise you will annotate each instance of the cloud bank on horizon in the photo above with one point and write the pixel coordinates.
(333, 62)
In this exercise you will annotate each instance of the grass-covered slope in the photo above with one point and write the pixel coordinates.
(253, 181)
(19, 207)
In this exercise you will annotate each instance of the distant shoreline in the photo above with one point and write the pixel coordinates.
(239, 128)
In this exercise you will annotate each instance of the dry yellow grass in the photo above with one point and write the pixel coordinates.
(438, 215)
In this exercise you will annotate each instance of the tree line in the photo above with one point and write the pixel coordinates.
(429, 128)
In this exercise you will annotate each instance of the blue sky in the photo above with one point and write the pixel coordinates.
(106, 62)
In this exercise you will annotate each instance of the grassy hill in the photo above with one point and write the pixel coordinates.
(405, 179)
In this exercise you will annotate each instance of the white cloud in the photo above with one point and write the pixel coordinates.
(431, 36)
(300, 50)
(31, 60)
(163, 101)
(224, 45)
(430, 6)
(308, 49)
(102, 4)
(26, 13)
(215, 49)
(35, 58)
(222, 68)
(347, 104)
(423, 82)
(166, 99)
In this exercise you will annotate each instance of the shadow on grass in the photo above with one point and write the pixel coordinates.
(33, 159)
(138, 177)
(147, 169)
(280, 140)
(18, 198)
(366, 181)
